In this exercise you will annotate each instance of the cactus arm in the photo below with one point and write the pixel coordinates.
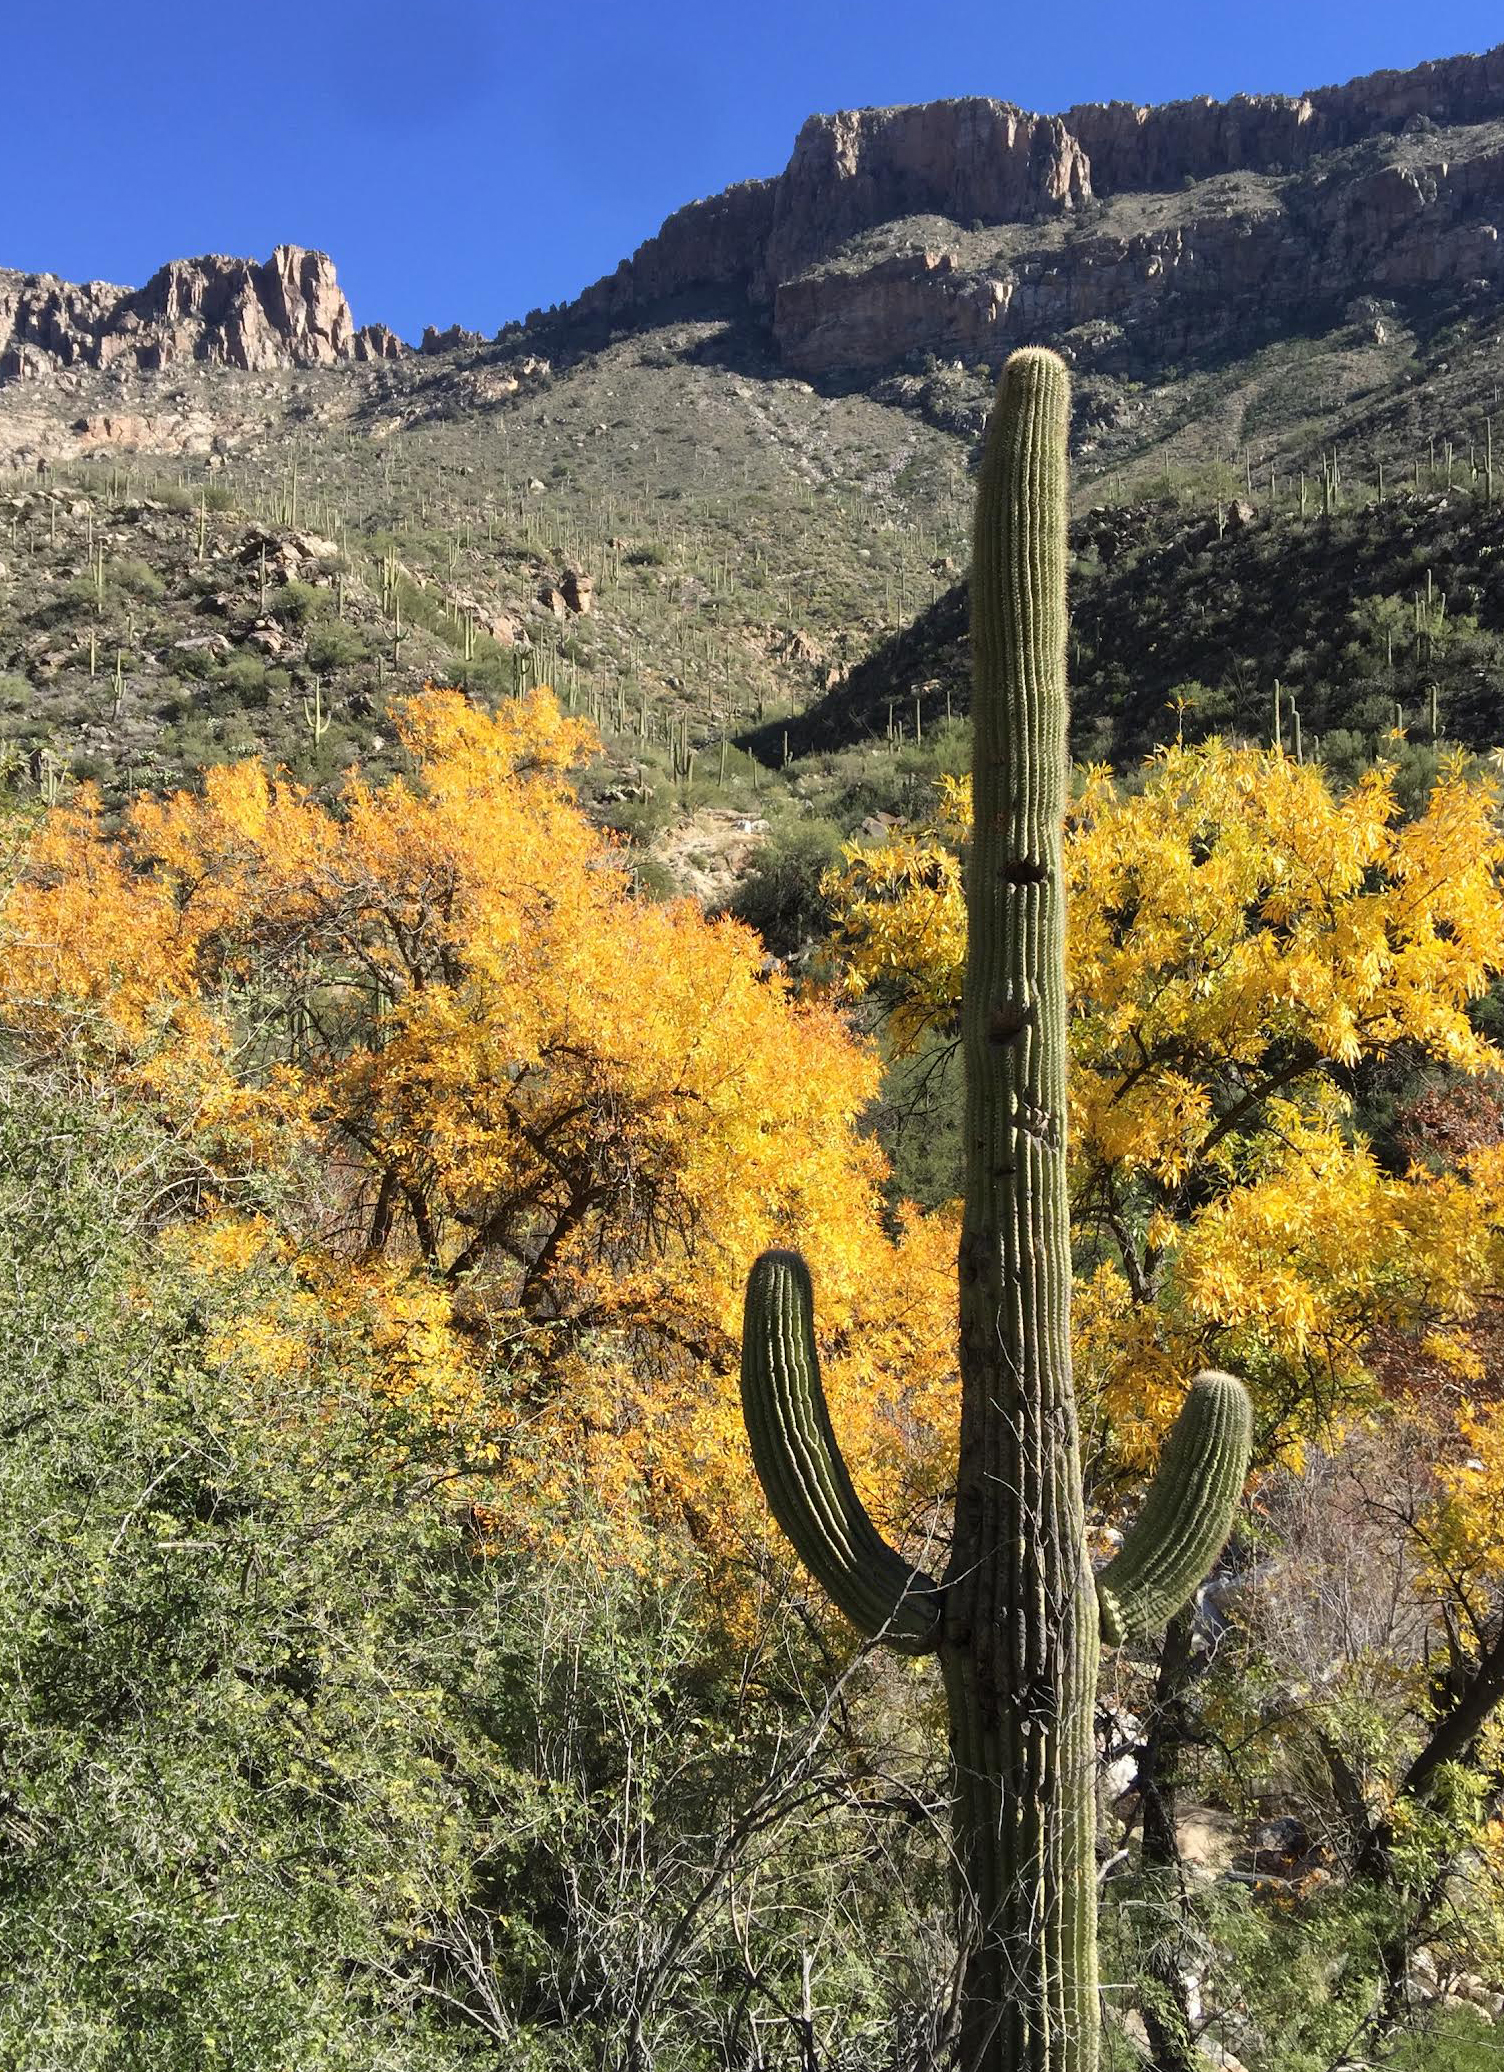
(803, 1475)
(1187, 1514)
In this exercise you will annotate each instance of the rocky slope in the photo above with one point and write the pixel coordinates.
(1354, 645)
(1253, 292)
(872, 243)
(288, 311)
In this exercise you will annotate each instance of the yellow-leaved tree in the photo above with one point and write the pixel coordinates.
(522, 1127)
(1242, 943)
(1255, 964)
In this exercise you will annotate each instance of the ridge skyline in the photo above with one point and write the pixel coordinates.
(547, 230)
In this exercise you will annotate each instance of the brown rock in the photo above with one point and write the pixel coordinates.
(288, 310)
(1192, 279)
(963, 159)
(706, 244)
(114, 431)
(1189, 285)
(376, 342)
(1160, 148)
(456, 338)
(579, 590)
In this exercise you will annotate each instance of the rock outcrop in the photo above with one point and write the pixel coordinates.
(454, 338)
(1130, 147)
(1428, 212)
(1183, 287)
(713, 243)
(376, 342)
(286, 311)
(963, 159)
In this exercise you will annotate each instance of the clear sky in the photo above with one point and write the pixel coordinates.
(464, 161)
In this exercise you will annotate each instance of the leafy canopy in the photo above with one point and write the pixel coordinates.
(531, 1127)
(1241, 939)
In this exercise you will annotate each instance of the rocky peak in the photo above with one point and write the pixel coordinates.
(286, 311)
(989, 161)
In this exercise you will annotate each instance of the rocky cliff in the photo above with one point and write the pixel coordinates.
(1130, 147)
(288, 311)
(1213, 273)
(1313, 221)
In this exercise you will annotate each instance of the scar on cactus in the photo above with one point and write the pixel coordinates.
(1018, 1619)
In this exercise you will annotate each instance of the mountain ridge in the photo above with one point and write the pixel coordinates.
(288, 310)
(1092, 150)
(971, 162)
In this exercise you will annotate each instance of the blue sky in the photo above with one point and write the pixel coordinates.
(465, 162)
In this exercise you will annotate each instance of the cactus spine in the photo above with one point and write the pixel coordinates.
(1018, 1619)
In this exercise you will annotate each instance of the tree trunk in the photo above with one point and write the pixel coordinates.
(1165, 2006)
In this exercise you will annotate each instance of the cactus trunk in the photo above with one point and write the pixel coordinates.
(1018, 1619)
(1020, 1629)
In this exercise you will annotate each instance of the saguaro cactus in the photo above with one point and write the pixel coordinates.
(1018, 1618)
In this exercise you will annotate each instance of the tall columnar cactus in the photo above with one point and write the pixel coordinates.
(1018, 1618)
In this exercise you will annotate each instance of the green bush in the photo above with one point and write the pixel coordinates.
(133, 578)
(295, 604)
(336, 645)
(780, 896)
(295, 1773)
(220, 1806)
(243, 680)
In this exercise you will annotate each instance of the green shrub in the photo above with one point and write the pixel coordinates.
(295, 604)
(133, 578)
(336, 645)
(295, 1773)
(780, 896)
(243, 679)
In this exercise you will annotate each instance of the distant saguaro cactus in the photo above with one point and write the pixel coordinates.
(1019, 1617)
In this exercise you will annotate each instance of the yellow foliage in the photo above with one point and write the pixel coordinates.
(530, 1130)
(1238, 936)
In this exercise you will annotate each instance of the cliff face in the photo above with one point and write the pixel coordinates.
(963, 159)
(1430, 216)
(1159, 148)
(711, 243)
(288, 311)
(1184, 287)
